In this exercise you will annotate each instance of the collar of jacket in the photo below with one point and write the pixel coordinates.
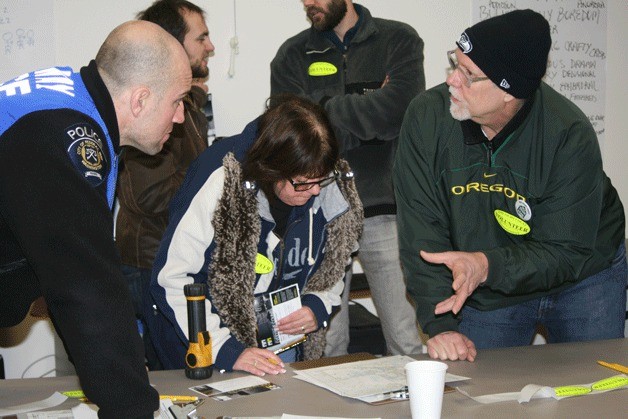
(196, 97)
(237, 228)
(330, 200)
(318, 43)
(103, 101)
(343, 44)
(472, 131)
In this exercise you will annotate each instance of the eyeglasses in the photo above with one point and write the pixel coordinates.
(306, 186)
(453, 63)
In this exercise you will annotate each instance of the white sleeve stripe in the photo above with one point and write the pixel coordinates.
(186, 256)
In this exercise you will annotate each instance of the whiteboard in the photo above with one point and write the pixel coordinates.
(27, 40)
(577, 60)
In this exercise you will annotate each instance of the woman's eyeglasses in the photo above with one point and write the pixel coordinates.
(306, 186)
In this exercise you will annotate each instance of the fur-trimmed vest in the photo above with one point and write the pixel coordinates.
(237, 227)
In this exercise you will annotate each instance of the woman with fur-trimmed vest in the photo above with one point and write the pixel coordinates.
(268, 209)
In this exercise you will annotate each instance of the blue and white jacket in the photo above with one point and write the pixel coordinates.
(188, 248)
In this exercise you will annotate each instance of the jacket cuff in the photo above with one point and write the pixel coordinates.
(444, 323)
(318, 308)
(228, 354)
(496, 269)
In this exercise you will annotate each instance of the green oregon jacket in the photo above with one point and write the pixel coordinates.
(537, 202)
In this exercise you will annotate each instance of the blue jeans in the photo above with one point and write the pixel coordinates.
(379, 258)
(593, 309)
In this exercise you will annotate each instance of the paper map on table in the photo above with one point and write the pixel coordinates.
(369, 380)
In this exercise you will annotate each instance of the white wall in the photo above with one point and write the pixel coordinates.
(262, 25)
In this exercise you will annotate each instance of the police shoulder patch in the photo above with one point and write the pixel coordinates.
(86, 151)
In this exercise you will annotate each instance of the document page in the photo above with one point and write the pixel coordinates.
(285, 301)
(269, 309)
(361, 379)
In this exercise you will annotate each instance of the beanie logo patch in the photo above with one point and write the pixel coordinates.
(504, 84)
(465, 43)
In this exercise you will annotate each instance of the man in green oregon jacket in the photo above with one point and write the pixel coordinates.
(506, 218)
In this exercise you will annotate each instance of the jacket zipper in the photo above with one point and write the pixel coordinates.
(275, 283)
(489, 153)
(344, 71)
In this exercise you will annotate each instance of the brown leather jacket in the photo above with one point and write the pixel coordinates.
(146, 184)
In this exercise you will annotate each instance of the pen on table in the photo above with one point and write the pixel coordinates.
(616, 367)
(290, 345)
(179, 398)
(78, 394)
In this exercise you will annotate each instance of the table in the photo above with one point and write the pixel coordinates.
(494, 371)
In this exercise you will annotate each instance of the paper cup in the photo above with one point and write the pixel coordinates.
(426, 384)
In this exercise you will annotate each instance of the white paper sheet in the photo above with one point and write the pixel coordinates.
(55, 400)
(361, 379)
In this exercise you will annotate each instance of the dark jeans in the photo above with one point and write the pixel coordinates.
(139, 280)
(593, 309)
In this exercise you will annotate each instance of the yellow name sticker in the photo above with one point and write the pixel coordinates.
(512, 224)
(611, 383)
(263, 265)
(74, 394)
(321, 68)
(569, 391)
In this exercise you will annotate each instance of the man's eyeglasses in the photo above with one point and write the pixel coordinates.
(306, 186)
(453, 63)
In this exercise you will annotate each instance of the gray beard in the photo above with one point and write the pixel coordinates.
(458, 112)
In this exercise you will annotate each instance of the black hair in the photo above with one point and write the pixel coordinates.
(168, 14)
(295, 138)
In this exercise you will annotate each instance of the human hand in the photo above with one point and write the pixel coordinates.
(469, 270)
(259, 361)
(300, 321)
(453, 346)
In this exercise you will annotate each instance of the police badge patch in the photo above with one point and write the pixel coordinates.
(87, 154)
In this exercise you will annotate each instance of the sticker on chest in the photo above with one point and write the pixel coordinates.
(263, 265)
(321, 68)
(511, 223)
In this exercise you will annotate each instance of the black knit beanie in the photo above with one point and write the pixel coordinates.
(511, 49)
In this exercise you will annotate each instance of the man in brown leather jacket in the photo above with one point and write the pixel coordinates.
(146, 183)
